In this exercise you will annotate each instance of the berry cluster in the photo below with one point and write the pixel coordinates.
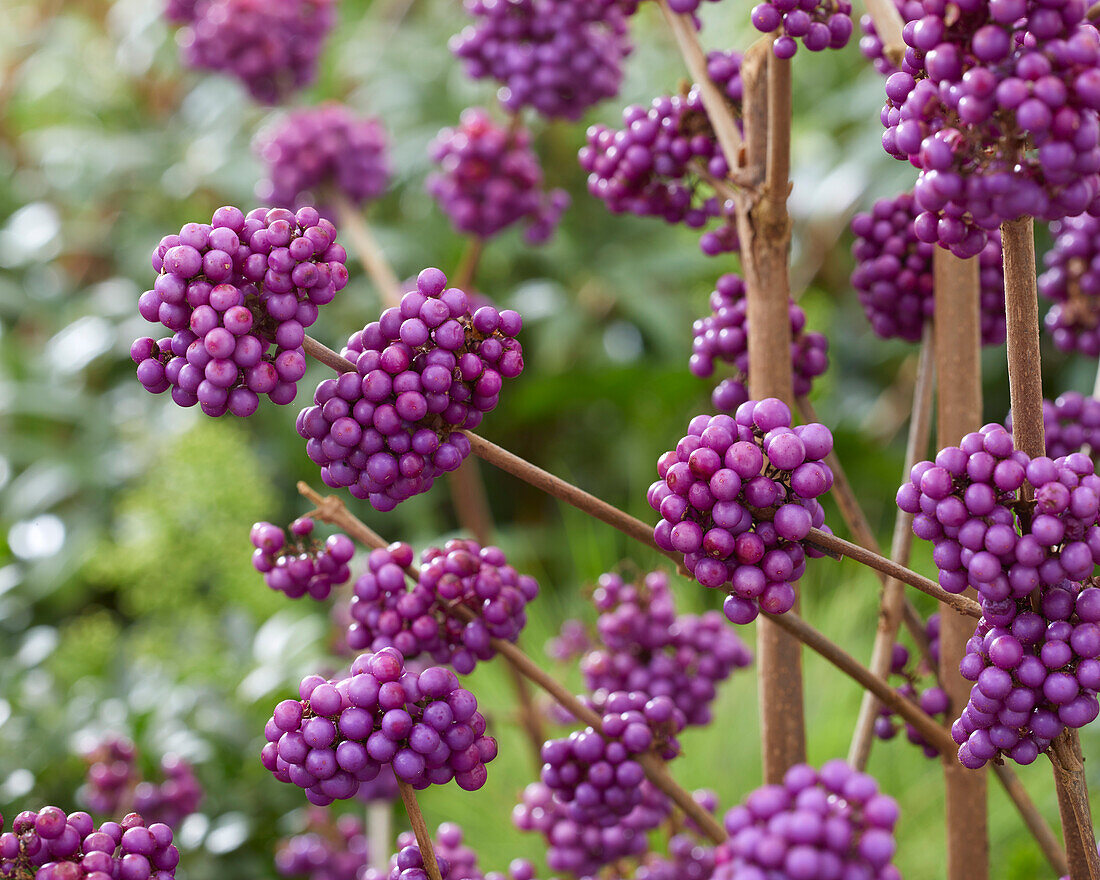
(424, 370)
(659, 163)
(556, 56)
(304, 565)
(1035, 672)
(646, 646)
(820, 24)
(1072, 281)
(328, 849)
(583, 848)
(114, 783)
(271, 46)
(237, 295)
(831, 822)
(737, 496)
(724, 335)
(422, 621)
(594, 776)
(1070, 423)
(932, 700)
(998, 105)
(316, 152)
(382, 788)
(490, 178)
(340, 733)
(50, 845)
(985, 536)
(893, 274)
(456, 861)
(571, 641)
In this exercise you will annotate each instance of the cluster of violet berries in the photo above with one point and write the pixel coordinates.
(645, 646)
(237, 295)
(871, 45)
(455, 860)
(1072, 281)
(271, 46)
(831, 822)
(302, 565)
(555, 56)
(716, 493)
(420, 621)
(998, 105)
(329, 848)
(340, 733)
(819, 24)
(424, 370)
(50, 845)
(1040, 676)
(317, 152)
(1035, 674)
(723, 335)
(594, 774)
(656, 165)
(1070, 423)
(584, 848)
(933, 700)
(489, 178)
(114, 783)
(893, 274)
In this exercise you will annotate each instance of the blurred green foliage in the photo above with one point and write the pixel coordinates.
(127, 601)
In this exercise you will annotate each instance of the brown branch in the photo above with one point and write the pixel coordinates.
(366, 247)
(888, 25)
(891, 607)
(420, 829)
(717, 106)
(1025, 384)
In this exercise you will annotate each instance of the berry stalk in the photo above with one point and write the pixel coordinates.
(958, 410)
(420, 829)
(891, 608)
(887, 21)
(1025, 383)
(634, 528)
(368, 250)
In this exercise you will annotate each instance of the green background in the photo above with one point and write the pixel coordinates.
(127, 601)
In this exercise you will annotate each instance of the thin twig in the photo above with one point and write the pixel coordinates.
(468, 262)
(717, 105)
(1025, 383)
(420, 829)
(888, 25)
(366, 247)
(891, 607)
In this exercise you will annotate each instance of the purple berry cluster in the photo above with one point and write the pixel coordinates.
(1035, 673)
(114, 783)
(659, 163)
(819, 24)
(317, 152)
(594, 775)
(340, 733)
(1072, 281)
(558, 57)
(329, 848)
(986, 536)
(424, 370)
(737, 496)
(583, 848)
(456, 861)
(50, 845)
(271, 46)
(933, 700)
(421, 620)
(871, 45)
(724, 335)
(382, 788)
(489, 178)
(645, 646)
(827, 823)
(304, 565)
(893, 274)
(237, 295)
(1071, 422)
(998, 105)
(571, 642)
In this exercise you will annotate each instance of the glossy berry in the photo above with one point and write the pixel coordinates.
(300, 564)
